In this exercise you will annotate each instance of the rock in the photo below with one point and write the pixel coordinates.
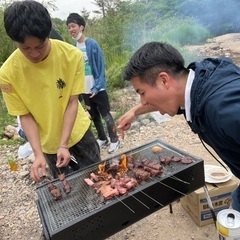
(23, 174)
(10, 131)
(145, 121)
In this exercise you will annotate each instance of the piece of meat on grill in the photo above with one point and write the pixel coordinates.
(121, 189)
(66, 185)
(141, 174)
(131, 184)
(176, 159)
(165, 159)
(94, 177)
(130, 162)
(108, 192)
(152, 171)
(98, 185)
(186, 160)
(55, 191)
(152, 164)
(119, 185)
(88, 181)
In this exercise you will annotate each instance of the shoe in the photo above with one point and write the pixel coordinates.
(102, 143)
(25, 150)
(114, 147)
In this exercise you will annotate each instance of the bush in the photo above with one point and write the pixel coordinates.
(7, 45)
(115, 65)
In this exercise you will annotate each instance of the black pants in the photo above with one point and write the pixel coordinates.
(86, 152)
(98, 107)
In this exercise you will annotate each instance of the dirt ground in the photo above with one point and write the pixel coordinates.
(19, 217)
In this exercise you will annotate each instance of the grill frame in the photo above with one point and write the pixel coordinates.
(105, 219)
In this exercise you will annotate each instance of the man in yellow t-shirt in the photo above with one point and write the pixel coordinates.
(40, 82)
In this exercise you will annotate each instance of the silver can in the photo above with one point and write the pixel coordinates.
(228, 224)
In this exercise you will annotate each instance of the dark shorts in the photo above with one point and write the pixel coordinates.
(86, 152)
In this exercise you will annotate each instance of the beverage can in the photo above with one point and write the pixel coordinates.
(228, 224)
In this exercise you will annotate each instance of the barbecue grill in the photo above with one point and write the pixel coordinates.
(82, 214)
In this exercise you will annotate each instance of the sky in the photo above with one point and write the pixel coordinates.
(67, 6)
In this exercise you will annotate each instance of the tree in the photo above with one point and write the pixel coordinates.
(107, 5)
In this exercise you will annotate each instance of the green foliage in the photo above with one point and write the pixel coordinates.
(114, 76)
(7, 46)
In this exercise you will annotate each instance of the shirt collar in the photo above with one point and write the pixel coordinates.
(190, 79)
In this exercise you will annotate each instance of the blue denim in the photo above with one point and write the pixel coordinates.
(22, 134)
(236, 199)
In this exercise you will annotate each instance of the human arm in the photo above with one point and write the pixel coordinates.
(30, 129)
(63, 154)
(124, 122)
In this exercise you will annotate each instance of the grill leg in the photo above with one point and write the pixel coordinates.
(170, 208)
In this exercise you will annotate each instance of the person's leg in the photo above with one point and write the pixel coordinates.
(22, 135)
(92, 108)
(86, 151)
(236, 199)
(102, 101)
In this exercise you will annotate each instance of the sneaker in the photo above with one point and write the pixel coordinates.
(114, 147)
(25, 150)
(102, 143)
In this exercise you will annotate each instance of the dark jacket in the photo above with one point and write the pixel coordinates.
(215, 108)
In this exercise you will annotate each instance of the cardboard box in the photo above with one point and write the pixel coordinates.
(196, 203)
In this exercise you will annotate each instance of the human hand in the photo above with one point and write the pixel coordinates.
(63, 157)
(124, 122)
(38, 164)
(92, 94)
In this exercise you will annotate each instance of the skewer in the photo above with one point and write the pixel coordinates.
(171, 188)
(151, 198)
(124, 204)
(178, 179)
(140, 201)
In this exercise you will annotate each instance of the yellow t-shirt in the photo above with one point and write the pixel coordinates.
(43, 89)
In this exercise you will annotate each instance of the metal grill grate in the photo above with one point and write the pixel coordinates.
(83, 214)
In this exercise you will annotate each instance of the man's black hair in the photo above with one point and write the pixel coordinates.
(27, 19)
(75, 18)
(151, 59)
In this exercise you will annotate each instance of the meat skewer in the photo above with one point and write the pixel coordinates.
(151, 198)
(66, 186)
(55, 191)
